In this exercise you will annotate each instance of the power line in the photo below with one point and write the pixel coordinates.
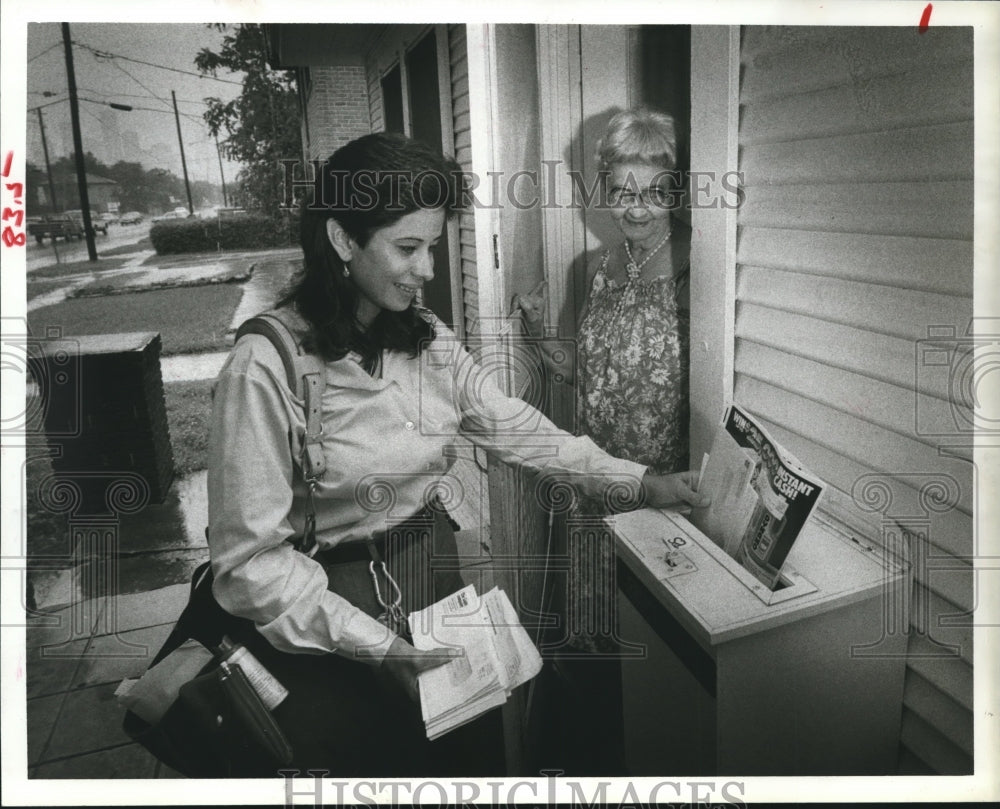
(132, 95)
(37, 55)
(193, 117)
(109, 55)
(151, 109)
(92, 91)
(48, 104)
(84, 109)
(131, 108)
(143, 86)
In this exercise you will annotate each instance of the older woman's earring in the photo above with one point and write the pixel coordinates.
(347, 270)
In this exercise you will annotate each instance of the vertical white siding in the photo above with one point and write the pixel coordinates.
(459, 61)
(854, 245)
(375, 109)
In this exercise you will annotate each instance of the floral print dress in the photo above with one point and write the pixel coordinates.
(632, 400)
(632, 382)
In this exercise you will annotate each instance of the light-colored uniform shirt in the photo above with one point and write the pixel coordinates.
(385, 440)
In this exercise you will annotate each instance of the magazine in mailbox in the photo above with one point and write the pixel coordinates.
(761, 496)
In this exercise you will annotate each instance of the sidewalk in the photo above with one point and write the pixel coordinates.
(76, 655)
(105, 618)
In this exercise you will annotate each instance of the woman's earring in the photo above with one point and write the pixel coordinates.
(347, 270)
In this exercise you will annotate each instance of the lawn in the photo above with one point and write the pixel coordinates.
(189, 319)
(47, 530)
(35, 288)
(189, 405)
(182, 259)
(128, 249)
(76, 268)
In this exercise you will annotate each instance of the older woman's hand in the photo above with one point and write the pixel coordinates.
(403, 662)
(532, 307)
(664, 491)
(556, 355)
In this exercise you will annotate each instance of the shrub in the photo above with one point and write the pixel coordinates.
(182, 236)
(243, 231)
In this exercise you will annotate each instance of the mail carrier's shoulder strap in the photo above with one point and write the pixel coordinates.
(306, 374)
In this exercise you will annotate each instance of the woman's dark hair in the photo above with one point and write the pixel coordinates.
(368, 184)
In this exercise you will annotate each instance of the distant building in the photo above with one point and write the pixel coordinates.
(103, 193)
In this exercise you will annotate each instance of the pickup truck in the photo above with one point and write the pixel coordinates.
(100, 226)
(55, 225)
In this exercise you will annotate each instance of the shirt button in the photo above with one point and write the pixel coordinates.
(410, 425)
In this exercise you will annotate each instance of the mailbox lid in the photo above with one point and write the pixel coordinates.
(719, 600)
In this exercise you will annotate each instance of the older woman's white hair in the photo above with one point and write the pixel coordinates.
(639, 135)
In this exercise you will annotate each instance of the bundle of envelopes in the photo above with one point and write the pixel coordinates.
(498, 657)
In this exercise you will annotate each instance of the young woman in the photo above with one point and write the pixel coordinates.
(399, 389)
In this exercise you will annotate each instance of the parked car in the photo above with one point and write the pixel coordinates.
(110, 217)
(55, 225)
(98, 225)
(176, 213)
(130, 218)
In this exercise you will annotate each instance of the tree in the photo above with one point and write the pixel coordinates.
(138, 189)
(262, 124)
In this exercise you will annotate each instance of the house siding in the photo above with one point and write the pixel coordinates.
(459, 61)
(854, 246)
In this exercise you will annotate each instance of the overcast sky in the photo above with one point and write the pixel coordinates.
(140, 136)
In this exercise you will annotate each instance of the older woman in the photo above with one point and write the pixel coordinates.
(399, 388)
(632, 381)
(632, 359)
(631, 364)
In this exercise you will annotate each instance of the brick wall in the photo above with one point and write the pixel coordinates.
(337, 108)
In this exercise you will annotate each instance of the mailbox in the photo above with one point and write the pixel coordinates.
(737, 679)
(105, 413)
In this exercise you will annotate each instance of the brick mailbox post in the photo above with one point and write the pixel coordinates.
(105, 415)
(106, 424)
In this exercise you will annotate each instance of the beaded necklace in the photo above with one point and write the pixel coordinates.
(632, 269)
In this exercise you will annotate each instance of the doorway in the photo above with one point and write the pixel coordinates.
(424, 100)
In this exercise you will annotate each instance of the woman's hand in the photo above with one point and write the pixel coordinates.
(532, 308)
(403, 662)
(664, 491)
(556, 356)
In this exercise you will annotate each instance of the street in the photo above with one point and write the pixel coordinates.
(43, 255)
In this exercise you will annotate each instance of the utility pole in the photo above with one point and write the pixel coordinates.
(218, 151)
(48, 166)
(48, 173)
(81, 171)
(180, 140)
